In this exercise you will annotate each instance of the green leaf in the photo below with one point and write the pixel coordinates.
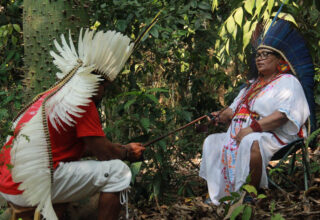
(122, 25)
(145, 122)
(238, 16)
(222, 31)
(157, 90)
(154, 32)
(128, 104)
(277, 217)
(248, 5)
(259, 5)
(214, 5)
(234, 33)
(261, 196)
(226, 198)
(246, 34)
(135, 169)
(204, 6)
(247, 213)
(230, 24)
(236, 212)
(152, 98)
(235, 194)
(270, 6)
(17, 27)
(14, 40)
(156, 186)
(286, 16)
(250, 189)
(227, 46)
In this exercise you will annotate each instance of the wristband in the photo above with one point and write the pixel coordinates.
(255, 126)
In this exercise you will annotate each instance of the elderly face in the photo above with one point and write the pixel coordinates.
(266, 61)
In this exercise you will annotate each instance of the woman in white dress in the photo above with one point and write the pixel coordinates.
(263, 118)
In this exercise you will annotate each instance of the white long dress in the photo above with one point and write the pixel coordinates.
(225, 165)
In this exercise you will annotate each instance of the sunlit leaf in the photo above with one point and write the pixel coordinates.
(238, 16)
(227, 46)
(214, 5)
(286, 16)
(234, 33)
(248, 5)
(230, 23)
(222, 31)
(250, 189)
(259, 5)
(270, 6)
(261, 196)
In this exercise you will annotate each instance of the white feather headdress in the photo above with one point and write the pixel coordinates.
(106, 51)
(103, 52)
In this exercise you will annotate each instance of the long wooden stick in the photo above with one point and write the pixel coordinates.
(183, 127)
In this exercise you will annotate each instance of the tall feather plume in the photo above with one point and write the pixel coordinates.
(258, 33)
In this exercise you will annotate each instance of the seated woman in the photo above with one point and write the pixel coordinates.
(264, 117)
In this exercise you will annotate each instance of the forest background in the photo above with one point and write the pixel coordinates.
(192, 62)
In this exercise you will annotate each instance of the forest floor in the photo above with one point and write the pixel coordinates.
(287, 204)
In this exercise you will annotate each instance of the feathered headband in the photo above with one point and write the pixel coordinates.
(106, 52)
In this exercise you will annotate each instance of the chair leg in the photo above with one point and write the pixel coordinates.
(36, 215)
(292, 164)
(13, 215)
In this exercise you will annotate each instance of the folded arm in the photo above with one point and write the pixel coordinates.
(269, 123)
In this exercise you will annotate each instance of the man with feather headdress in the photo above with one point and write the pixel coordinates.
(39, 164)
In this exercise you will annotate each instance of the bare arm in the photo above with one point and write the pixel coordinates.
(104, 149)
(268, 123)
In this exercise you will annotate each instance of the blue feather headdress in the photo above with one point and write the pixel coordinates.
(285, 39)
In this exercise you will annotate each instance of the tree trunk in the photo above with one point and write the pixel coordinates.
(44, 21)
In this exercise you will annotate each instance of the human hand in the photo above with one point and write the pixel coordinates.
(242, 133)
(213, 117)
(134, 151)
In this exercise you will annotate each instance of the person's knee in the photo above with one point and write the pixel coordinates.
(118, 176)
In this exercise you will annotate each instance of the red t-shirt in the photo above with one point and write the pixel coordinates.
(66, 145)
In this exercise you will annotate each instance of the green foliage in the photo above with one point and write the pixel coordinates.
(190, 63)
(11, 51)
(275, 216)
